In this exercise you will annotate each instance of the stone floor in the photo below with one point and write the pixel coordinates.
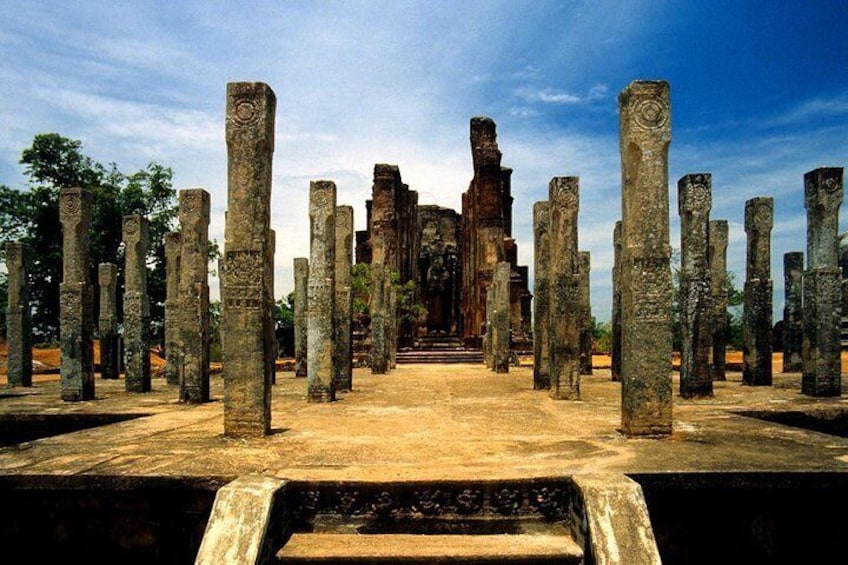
(424, 422)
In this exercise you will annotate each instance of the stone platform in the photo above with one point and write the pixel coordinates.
(425, 423)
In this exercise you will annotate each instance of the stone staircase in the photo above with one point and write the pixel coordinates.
(439, 348)
(430, 523)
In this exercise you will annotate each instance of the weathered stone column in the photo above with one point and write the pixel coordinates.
(756, 340)
(585, 266)
(615, 321)
(76, 318)
(301, 286)
(343, 347)
(718, 288)
(488, 350)
(18, 321)
(110, 360)
(541, 296)
(500, 323)
(322, 266)
(379, 357)
(565, 321)
(136, 305)
(823, 192)
(793, 312)
(694, 203)
(392, 323)
(194, 295)
(173, 356)
(245, 315)
(271, 304)
(645, 126)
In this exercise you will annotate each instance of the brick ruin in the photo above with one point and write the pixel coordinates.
(451, 255)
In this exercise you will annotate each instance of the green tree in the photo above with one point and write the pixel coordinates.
(31, 215)
(284, 325)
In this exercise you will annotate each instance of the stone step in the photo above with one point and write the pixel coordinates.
(422, 548)
(440, 357)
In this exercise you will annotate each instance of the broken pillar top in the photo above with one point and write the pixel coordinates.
(822, 197)
(694, 193)
(250, 111)
(564, 191)
(718, 233)
(384, 170)
(15, 252)
(484, 143)
(759, 219)
(823, 188)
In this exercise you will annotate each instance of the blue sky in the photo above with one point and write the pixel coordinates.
(759, 95)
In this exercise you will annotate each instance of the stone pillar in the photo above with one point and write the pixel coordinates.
(194, 295)
(322, 265)
(136, 305)
(823, 191)
(110, 352)
(793, 312)
(615, 321)
(18, 321)
(718, 288)
(247, 359)
(694, 203)
(270, 330)
(391, 317)
(301, 286)
(173, 354)
(645, 130)
(757, 331)
(541, 292)
(75, 297)
(500, 323)
(564, 291)
(379, 358)
(585, 266)
(344, 299)
(487, 336)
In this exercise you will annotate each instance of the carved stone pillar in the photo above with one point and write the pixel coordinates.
(759, 219)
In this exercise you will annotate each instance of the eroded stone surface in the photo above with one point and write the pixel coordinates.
(822, 287)
(321, 318)
(173, 362)
(301, 286)
(565, 319)
(194, 295)
(793, 311)
(76, 317)
(615, 320)
(246, 314)
(694, 203)
(645, 134)
(379, 355)
(500, 315)
(343, 346)
(18, 316)
(756, 348)
(541, 291)
(585, 265)
(718, 238)
(110, 363)
(136, 305)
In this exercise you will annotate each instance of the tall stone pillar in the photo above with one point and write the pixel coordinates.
(301, 286)
(718, 288)
(615, 321)
(379, 357)
(247, 357)
(344, 299)
(541, 294)
(110, 360)
(823, 192)
(488, 350)
(270, 330)
(756, 340)
(173, 354)
(136, 305)
(18, 321)
(322, 266)
(500, 323)
(793, 312)
(565, 321)
(645, 129)
(694, 203)
(76, 316)
(585, 266)
(391, 323)
(194, 295)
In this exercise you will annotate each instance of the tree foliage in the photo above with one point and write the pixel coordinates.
(31, 215)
